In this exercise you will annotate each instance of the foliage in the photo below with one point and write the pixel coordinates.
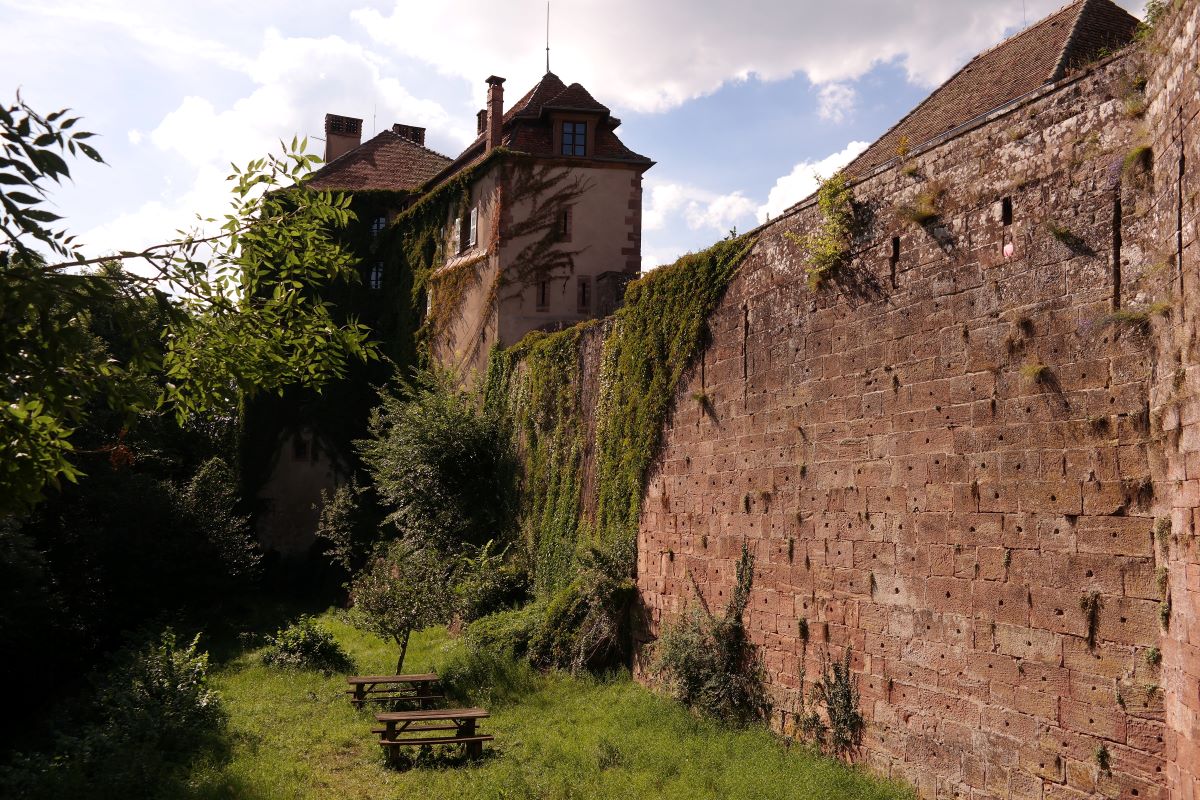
(307, 645)
(246, 318)
(487, 584)
(1138, 319)
(925, 209)
(537, 385)
(586, 623)
(210, 499)
(1140, 158)
(708, 661)
(828, 247)
(1090, 604)
(655, 337)
(348, 526)
(837, 692)
(443, 467)
(506, 632)
(153, 718)
(403, 588)
(486, 677)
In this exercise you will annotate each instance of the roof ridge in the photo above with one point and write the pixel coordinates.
(411, 142)
(1060, 69)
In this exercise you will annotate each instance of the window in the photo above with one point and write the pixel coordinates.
(585, 295)
(543, 296)
(564, 225)
(375, 276)
(1006, 211)
(574, 139)
(467, 229)
(377, 226)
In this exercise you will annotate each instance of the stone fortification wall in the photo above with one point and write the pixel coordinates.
(947, 460)
(1171, 129)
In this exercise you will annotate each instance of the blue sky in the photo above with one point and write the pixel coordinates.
(740, 103)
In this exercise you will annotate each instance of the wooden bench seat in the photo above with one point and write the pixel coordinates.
(436, 740)
(382, 731)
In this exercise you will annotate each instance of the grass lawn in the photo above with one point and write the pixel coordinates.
(294, 735)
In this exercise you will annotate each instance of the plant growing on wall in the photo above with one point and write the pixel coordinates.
(709, 662)
(925, 209)
(828, 248)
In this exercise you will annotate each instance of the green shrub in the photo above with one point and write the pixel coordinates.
(506, 632)
(487, 584)
(443, 466)
(837, 691)
(306, 645)
(586, 626)
(476, 676)
(709, 662)
(153, 717)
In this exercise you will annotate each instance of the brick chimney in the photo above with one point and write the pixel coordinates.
(495, 112)
(411, 132)
(342, 134)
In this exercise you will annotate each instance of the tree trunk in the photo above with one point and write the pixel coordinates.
(402, 640)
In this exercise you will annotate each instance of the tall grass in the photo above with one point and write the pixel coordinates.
(295, 736)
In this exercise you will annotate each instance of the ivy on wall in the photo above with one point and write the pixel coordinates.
(653, 339)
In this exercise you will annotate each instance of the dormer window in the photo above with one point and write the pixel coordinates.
(574, 138)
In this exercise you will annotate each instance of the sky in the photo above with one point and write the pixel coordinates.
(742, 104)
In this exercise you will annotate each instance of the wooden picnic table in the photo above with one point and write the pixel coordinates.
(407, 728)
(420, 689)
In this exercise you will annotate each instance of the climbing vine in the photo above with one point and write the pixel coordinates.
(537, 382)
(655, 337)
(652, 340)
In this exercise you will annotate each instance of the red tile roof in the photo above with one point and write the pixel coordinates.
(387, 161)
(525, 130)
(1045, 52)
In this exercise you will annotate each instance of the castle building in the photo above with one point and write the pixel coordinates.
(545, 233)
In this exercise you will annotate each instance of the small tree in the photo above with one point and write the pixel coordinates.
(443, 466)
(403, 589)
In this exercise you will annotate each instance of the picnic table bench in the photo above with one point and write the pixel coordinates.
(449, 726)
(420, 689)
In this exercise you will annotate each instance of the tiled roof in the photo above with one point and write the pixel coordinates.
(387, 161)
(1043, 53)
(525, 131)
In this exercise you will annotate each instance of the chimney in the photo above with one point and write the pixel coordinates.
(495, 112)
(342, 134)
(411, 132)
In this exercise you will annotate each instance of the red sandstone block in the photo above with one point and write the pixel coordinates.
(1061, 498)
(1103, 497)
(992, 667)
(1092, 720)
(1129, 620)
(1057, 611)
(1116, 535)
(949, 595)
(1029, 643)
(1000, 600)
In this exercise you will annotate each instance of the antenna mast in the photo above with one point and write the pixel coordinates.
(547, 35)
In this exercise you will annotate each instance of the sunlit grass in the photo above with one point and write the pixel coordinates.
(294, 735)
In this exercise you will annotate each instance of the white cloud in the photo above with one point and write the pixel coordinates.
(135, 136)
(835, 101)
(686, 48)
(699, 209)
(804, 179)
(288, 97)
